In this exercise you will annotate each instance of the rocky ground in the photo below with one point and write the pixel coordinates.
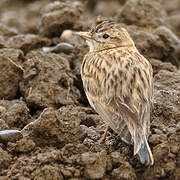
(42, 96)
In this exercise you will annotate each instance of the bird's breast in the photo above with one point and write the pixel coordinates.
(118, 74)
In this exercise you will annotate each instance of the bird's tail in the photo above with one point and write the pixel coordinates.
(141, 147)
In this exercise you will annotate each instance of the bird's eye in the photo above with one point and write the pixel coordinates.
(105, 36)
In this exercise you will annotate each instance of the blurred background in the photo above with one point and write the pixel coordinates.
(27, 15)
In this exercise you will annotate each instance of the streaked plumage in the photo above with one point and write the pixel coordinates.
(118, 83)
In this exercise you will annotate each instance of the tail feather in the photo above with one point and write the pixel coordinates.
(137, 138)
(145, 153)
(141, 146)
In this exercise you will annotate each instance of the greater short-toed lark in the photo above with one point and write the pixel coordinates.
(118, 82)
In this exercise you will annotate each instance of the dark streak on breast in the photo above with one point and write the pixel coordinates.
(108, 64)
(115, 78)
(127, 65)
(82, 67)
(113, 57)
(134, 76)
(115, 88)
(143, 81)
(130, 90)
(120, 72)
(139, 90)
(135, 69)
(145, 74)
(108, 75)
(137, 56)
(132, 82)
(121, 83)
(108, 87)
(124, 54)
(104, 70)
(125, 76)
(111, 83)
(141, 77)
(131, 59)
(95, 64)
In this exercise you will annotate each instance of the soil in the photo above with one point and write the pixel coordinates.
(42, 95)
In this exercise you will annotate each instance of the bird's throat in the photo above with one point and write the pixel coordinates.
(91, 46)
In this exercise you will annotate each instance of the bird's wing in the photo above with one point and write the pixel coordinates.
(128, 87)
(128, 92)
(121, 89)
(93, 72)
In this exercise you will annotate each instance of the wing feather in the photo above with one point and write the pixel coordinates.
(120, 88)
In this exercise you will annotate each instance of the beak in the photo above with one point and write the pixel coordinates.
(84, 35)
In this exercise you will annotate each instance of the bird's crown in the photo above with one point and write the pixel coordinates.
(106, 34)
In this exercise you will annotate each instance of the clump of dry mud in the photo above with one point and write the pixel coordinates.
(42, 96)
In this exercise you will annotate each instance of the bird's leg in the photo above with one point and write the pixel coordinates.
(126, 141)
(105, 134)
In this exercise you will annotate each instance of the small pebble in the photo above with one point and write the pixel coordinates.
(10, 135)
(61, 47)
(66, 34)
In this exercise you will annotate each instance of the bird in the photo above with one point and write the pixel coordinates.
(118, 83)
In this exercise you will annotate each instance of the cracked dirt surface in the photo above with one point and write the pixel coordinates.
(41, 92)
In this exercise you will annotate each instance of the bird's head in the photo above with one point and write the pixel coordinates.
(106, 35)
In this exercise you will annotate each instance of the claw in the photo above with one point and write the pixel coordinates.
(104, 135)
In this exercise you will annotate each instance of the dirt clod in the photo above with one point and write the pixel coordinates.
(42, 97)
(17, 115)
(58, 16)
(125, 172)
(48, 80)
(95, 164)
(11, 74)
(142, 13)
(27, 42)
(5, 158)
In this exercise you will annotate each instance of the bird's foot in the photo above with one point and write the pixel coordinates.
(102, 140)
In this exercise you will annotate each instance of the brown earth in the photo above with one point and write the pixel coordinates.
(42, 95)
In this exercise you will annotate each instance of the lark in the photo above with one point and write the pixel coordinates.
(118, 82)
